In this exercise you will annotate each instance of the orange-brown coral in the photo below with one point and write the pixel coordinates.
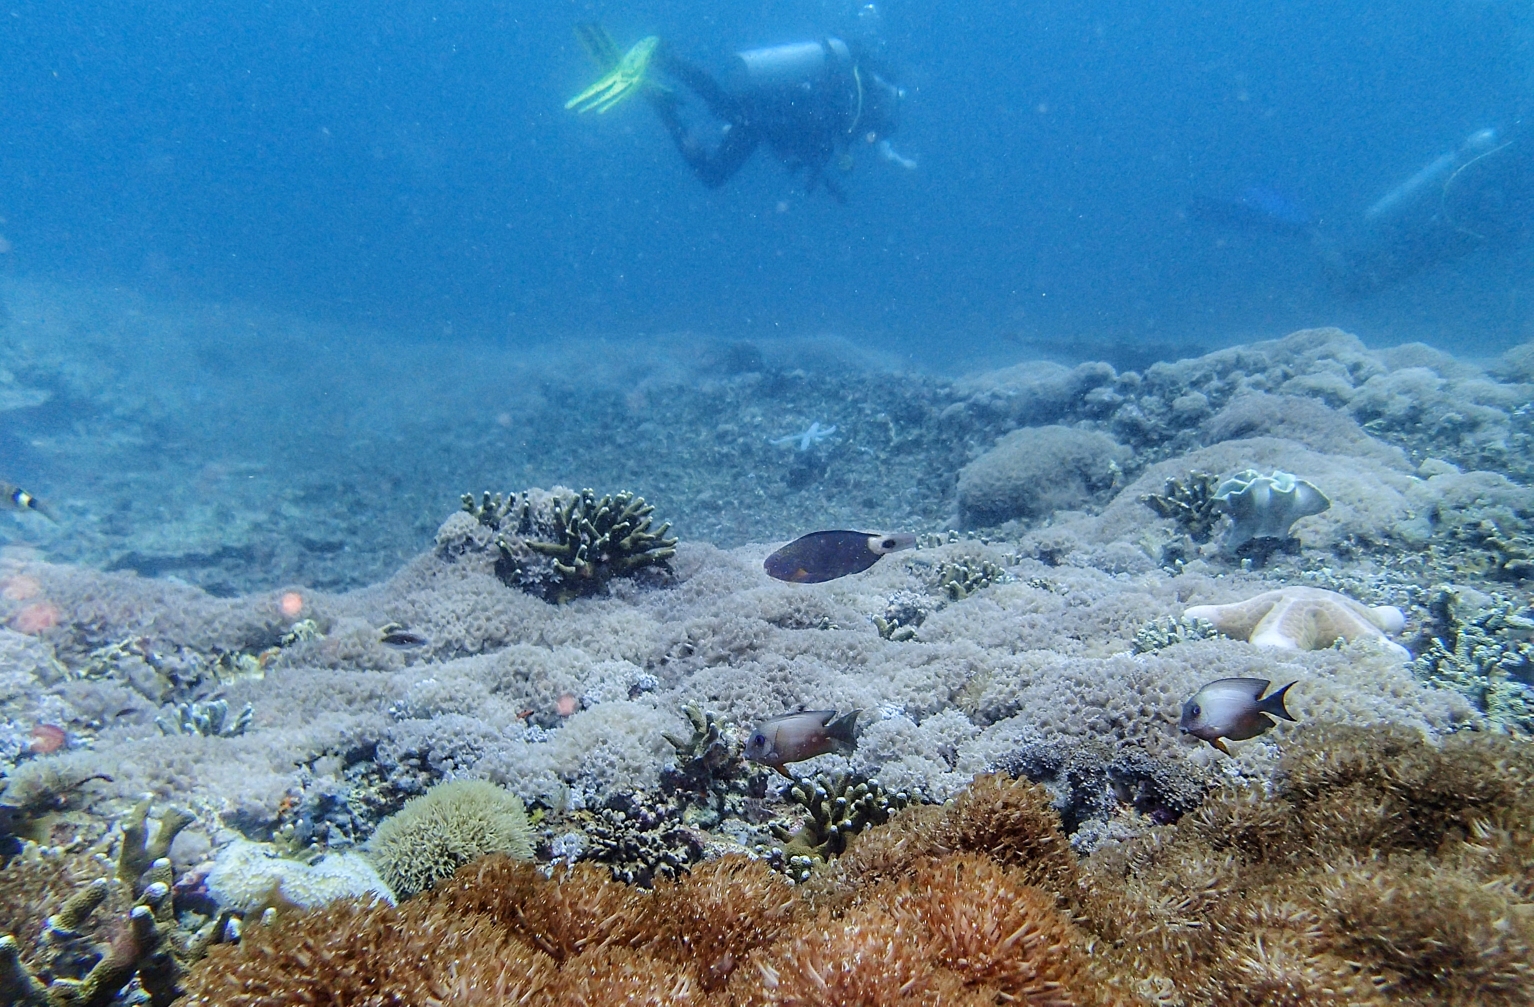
(1384, 869)
(1010, 821)
(1380, 870)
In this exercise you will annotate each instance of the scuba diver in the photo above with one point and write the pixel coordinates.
(809, 102)
(1481, 194)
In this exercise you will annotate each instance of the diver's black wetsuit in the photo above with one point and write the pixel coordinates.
(1481, 195)
(808, 105)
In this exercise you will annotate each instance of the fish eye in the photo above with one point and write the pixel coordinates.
(1194, 710)
(759, 740)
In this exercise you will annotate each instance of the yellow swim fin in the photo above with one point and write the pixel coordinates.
(625, 79)
(598, 45)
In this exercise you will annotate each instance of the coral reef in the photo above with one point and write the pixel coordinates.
(1384, 869)
(563, 544)
(1303, 618)
(1482, 646)
(1265, 507)
(451, 824)
(66, 964)
(1191, 502)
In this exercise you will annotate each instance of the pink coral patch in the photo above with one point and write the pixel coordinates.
(291, 604)
(39, 617)
(47, 739)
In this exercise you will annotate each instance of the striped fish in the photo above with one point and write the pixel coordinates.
(19, 499)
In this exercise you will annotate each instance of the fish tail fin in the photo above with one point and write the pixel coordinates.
(843, 730)
(1274, 704)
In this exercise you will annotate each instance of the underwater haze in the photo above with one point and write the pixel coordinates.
(766, 505)
(411, 166)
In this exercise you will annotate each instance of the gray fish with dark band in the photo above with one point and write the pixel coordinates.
(826, 555)
(1233, 708)
(795, 737)
(17, 498)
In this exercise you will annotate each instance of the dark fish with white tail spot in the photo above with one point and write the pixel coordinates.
(1233, 708)
(826, 555)
(16, 498)
(795, 737)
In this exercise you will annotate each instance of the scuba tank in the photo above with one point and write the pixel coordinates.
(793, 63)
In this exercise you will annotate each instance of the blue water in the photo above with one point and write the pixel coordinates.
(409, 165)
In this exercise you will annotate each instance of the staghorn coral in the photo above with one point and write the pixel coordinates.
(838, 807)
(564, 544)
(1191, 502)
(1481, 646)
(962, 577)
(66, 959)
(451, 824)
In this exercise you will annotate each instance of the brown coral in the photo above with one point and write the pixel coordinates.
(1011, 821)
(1361, 880)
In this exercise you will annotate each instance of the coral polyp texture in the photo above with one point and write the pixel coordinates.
(1384, 870)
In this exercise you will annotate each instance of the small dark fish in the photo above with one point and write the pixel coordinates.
(403, 639)
(795, 737)
(826, 555)
(1232, 708)
(19, 499)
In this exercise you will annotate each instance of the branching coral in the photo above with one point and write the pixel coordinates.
(1191, 502)
(838, 807)
(563, 544)
(960, 578)
(1485, 652)
(148, 944)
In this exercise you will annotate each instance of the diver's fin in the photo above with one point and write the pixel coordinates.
(623, 80)
(598, 45)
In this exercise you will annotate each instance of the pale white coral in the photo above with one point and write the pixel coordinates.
(249, 876)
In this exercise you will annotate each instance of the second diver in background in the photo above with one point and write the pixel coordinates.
(810, 102)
